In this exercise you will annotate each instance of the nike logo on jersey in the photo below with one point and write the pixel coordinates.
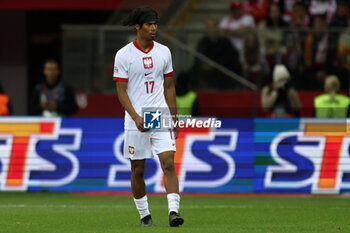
(148, 74)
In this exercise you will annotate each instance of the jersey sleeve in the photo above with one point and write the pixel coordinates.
(120, 72)
(168, 69)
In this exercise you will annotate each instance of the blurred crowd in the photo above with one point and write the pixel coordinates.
(281, 46)
(310, 38)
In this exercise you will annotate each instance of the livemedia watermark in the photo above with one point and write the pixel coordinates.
(162, 119)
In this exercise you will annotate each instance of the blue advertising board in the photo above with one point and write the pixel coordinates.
(242, 156)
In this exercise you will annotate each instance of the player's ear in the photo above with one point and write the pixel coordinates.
(137, 26)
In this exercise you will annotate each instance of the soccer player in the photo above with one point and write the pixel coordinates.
(143, 73)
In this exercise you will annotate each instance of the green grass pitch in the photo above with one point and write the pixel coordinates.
(52, 212)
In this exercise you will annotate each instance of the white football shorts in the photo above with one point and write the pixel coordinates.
(143, 145)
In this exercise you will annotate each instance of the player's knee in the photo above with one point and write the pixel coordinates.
(168, 166)
(138, 172)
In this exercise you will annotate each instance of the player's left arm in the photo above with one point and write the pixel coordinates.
(170, 97)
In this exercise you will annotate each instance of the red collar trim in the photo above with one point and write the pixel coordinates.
(139, 48)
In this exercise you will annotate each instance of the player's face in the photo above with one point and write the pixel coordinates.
(148, 30)
(51, 72)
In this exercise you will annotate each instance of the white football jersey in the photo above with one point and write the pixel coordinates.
(145, 73)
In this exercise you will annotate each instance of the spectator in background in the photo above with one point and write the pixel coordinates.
(280, 99)
(271, 34)
(255, 68)
(316, 53)
(256, 8)
(5, 105)
(292, 58)
(52, 98)
(343, 58)
(219, 49)
(339, 23)
(299, 23)
(323, 7)
(186, 99)
(341, 17)
(287, 6)
(331, 104)
(300, 17)
(237, 24)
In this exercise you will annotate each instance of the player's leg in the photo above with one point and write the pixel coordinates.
(170, 178)
(137, 178)
(172, 187)
(137, 148)
(139, 191)
(163, 143)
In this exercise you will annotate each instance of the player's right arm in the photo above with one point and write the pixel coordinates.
(126, 103)
(121, 76)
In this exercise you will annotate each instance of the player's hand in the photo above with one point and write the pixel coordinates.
(139, 124)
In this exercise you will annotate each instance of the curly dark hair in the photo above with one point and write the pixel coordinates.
(133, 17)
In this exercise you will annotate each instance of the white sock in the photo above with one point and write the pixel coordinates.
(173, 202)
(142, 206)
